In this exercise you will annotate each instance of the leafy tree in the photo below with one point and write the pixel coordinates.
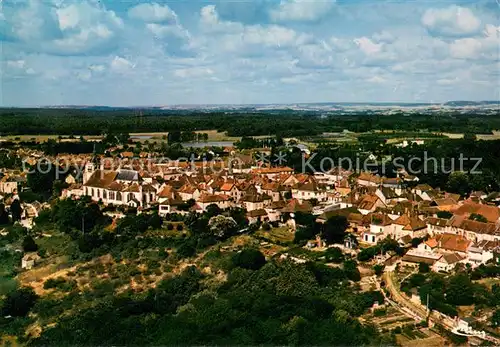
(29, 244)
(444, 214)
(41, 178)
(460, 290)
(478, 217)
(423, 268)
(222, 226)
(334, 255)
(250, 259)
(16, 210)
(351, 270)
(213, 210)
(458, 182)
(174, 137)
(4, 217)
(155, 221)
(19, 302)
(334, 229)
(379, 269)
(495, 318)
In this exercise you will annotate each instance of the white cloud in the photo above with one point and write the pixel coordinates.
(97, 68)
(376, 79)
(451, 21)
(447, 81)
(62, 28)
(193, 72)
(368, 46)
(17, 64)
(121, 64)
(163, 31)
(301, 10)
(235, 37)
(152, 13)
(484, 47)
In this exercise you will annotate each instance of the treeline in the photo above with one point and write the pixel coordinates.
(293, 123)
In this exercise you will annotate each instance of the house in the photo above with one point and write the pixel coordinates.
(230, 189)
(425, 191)
(415, 257)
(221, 200)
(8, 186)
(380, 228)
(75, 190)
(188, 192)
(29, 260)
(387, 195)
(294, 206)
(308, 191)
(408, 225)
(255, 201)
(350, 241)
(343, 187)
(490, 212)
(446, 243)
(255, 216)
(368, 179)
(444, 204)
(168, 200)
(447, 262)
(118, 187)
(274, 189)
(369, 203)
(481, 252)
(437, 225)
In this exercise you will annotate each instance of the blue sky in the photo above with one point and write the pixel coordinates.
(140, 52)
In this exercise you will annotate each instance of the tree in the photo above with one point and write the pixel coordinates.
(334, 229)
(174, 137)
(379, 269)
(16, 210)
(4, 217)
(155, 221)
(495, 318)
(334, 255)
(444, 214)
(213, 210)
(460, 290)
(29, 244)
(221, 226)
(458, 182)
(478, 217)
(423, 268)
(19, 302)
(250, 259)
(351, 270)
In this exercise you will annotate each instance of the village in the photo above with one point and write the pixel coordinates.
(442, 231)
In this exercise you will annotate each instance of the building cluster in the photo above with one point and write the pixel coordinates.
(453, 230)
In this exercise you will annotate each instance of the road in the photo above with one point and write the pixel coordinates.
(418, 310)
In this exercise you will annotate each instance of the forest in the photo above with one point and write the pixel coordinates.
(284, 123)
(245, 299)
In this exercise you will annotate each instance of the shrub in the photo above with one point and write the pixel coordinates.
(170, 226)
(29, 244)
(250, 259)
(19, 302)
(180, 227)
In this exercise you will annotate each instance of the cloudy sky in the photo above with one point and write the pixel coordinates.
(137, 52)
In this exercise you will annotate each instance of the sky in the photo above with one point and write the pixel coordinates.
(145, 53)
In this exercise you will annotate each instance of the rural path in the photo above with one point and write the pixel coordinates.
(418, 310)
